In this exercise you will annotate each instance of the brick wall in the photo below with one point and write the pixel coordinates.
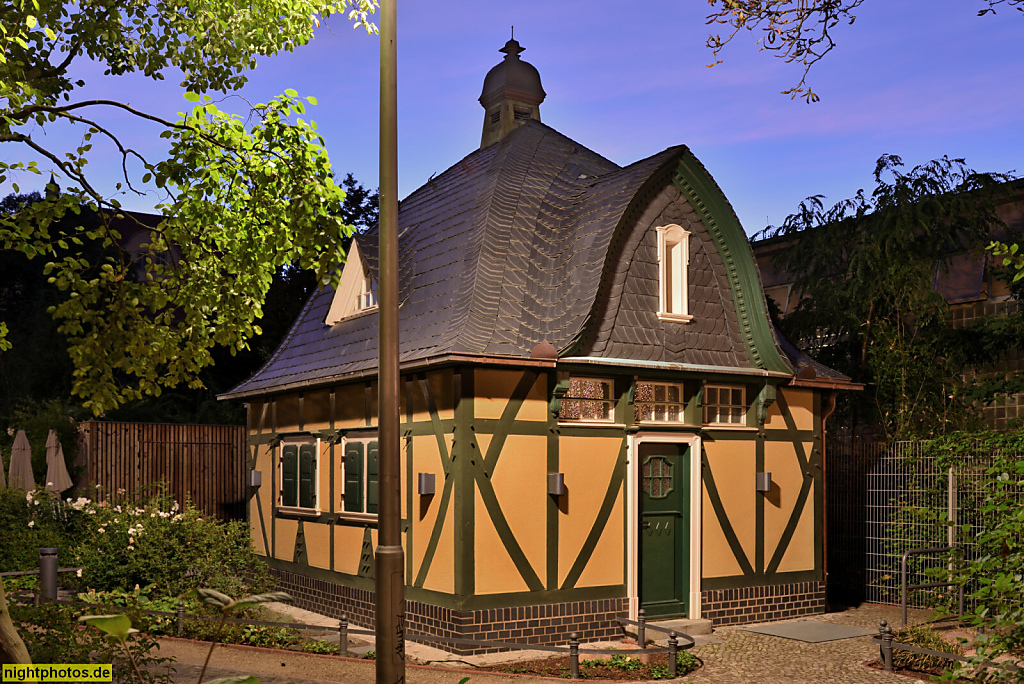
(763, 604)
(549, 623)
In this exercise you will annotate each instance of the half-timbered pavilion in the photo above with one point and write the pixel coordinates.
(598, 414)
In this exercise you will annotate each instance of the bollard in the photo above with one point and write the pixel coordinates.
(574, 656)
(673, 653)
(343, 635)
(181, 618)
(48, 574)
(885, 634)
(641, 628)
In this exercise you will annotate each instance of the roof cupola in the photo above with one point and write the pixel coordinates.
(511, 96)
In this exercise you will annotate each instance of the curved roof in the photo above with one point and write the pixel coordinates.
(507, 248)
(512, 77)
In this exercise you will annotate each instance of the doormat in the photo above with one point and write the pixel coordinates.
(809, 631)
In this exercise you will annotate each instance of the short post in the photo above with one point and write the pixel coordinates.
(48, 574)
(574, 656)
(181, 618)
(641, 628)
(673, 653)
(343, 635)
(885, 635)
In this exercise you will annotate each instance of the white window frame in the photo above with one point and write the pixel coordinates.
(655, 421)
(365, 440)
(673, 274)
(610, 401)
(299, 442)
(742, 404)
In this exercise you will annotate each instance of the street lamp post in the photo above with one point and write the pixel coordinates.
(390, 557)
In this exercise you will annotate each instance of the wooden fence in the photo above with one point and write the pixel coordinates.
(205, 463)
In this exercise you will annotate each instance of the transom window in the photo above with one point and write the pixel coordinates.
(299, 475)
(362, 470)
(588, 399)
(725, 405)
(673, 264)
(659, 401)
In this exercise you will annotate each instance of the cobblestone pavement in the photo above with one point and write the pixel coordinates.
(738, 657)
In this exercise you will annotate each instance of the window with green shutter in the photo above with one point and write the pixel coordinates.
(354, 454)
(372, 474)
(289, 475)
(307, 476)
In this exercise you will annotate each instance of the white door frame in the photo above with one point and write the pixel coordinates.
(633, 443)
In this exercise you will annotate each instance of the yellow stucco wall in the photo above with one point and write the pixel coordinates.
(318, 544)
(787, 478)
(441, 386)
(260, 524)
(733, 465)
(349, 406)
(588, 464)
(287, 412)
(801, 407)
(606, 566)
(284, 539)
(492, 389)
(441, 574)
(519, 480)
(316, 410)
(348, 545)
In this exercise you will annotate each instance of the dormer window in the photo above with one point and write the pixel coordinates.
(356, 292)
(673, 264)
(367, 297)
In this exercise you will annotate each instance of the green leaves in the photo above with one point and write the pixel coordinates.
(118, 627)
(226, 603)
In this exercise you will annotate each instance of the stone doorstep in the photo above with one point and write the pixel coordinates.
(699, 627)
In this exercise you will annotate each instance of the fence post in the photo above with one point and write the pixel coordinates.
(48, 574)
(181, 618)
(885, 634)
(673, 653)
(641, 628)
(574, 656)
(343, 635)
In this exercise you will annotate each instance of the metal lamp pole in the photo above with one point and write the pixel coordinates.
(390, 557)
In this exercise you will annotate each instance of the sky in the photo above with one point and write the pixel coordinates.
(915, 78)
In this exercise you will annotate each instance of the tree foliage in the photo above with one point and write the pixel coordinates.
(243, 194)
(864, 270)
(797, 31)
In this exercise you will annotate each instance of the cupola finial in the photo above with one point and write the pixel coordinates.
(511, 96)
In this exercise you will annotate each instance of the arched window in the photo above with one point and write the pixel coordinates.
(673, 264)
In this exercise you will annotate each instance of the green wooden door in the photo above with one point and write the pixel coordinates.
(664, 529)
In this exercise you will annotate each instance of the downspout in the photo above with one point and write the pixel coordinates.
(829, 409)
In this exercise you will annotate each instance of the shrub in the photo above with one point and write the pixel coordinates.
(33, 520)
(174, 548)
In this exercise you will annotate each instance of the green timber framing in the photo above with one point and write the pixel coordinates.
(466, 467)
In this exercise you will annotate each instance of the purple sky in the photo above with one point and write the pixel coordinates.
(916, 78)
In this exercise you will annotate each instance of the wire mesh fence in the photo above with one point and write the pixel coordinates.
(888, 498)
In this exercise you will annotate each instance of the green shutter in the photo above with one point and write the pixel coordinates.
(354, 477)
(372, 471)
(289, 475)
(307, 476)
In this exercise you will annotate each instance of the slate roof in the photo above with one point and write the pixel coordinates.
(501, 251)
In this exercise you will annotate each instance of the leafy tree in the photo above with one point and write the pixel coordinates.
(864, 270)
(243, 194)
(797, 31)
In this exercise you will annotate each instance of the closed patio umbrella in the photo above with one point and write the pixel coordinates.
(20, 474)
(57, 478)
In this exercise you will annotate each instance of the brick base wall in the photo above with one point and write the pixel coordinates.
(762, 604)
(549, 623)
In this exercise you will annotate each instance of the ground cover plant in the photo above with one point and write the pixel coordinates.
(631, 666)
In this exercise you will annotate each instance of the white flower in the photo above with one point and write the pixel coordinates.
(131, 540)
(49, 484)
(28, 496)
(131, 548)
(100, 530)
(79, 572)
(117, 508)
(31, 523)
(152, 515)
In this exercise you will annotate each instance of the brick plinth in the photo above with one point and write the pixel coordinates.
(549, 623)
(763, 604)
